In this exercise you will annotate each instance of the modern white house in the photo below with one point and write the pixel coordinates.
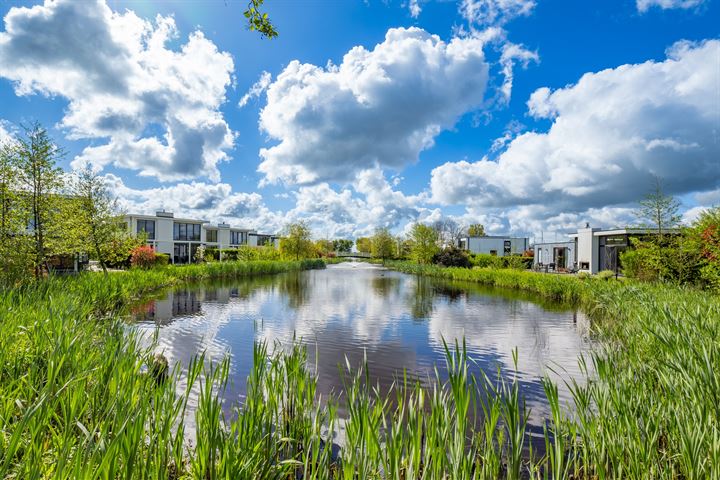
(590, 249)
(599, 249)
(180, 237)
(495, 245)
(555, 255)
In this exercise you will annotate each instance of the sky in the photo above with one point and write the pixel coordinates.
(531, 117)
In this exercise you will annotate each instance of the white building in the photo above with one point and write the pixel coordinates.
(180, 237)
(590, 249)
(555, 255)
(498, 245)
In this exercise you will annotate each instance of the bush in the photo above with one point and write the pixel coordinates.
(516, 262)
(229, 254)
(606, 275)
(452, 257)
(142, 257)
(212, 254)
(583, 275)
(485, 260)
(162, 259)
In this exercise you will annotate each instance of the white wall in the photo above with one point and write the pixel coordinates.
(486, 244)
(588, 247)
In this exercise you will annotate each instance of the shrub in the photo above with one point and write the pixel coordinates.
(162, 259)
(452, 257)
(516, 262)
(142, 257)
(606, 275)
(485, 260)
(229, 254)
(583, 275)
(212, 254)
(199, 256)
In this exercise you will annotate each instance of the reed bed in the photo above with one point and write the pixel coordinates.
(651, 409)
(80, 398)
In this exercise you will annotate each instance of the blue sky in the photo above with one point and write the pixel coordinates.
(470, 109)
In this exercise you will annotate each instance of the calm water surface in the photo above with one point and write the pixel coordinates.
(397, 321)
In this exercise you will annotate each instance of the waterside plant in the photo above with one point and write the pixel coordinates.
(76, 400)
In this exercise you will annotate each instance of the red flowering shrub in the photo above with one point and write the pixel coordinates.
(142, 257)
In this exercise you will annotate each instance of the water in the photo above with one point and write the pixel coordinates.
(353, 311)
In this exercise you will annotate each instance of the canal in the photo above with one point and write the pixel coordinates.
(360, 311)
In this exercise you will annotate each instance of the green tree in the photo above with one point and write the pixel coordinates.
(404, 247)
(324, 247)
(296, 242)
(11, 221)
(98, 214)
(36, 155)
(424, 243)
(15, 254)
(476, 230)
(659, 211)
(363, 244)
(342, 245)
(382, 244)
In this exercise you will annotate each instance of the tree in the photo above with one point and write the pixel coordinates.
(10, 218)
(35, 155)
(382, 244)
(342, 245)
(363, 244)
(449, 231)
(296, 242)
(98, 213)
(424, 243)
(476, 230)
(324, 247)
(659, 211)
(15, 255)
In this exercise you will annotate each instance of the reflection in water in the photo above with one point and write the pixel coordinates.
(396, 321)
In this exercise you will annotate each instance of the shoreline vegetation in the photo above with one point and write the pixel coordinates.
(79, 397)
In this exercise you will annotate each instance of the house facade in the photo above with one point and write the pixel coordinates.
(590, 249)
(495, 245)
(180, 238)
(556, 255)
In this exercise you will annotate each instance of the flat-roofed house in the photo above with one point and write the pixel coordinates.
(181, 237)
(495, 245)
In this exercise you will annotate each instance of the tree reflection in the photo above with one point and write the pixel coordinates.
(421, 298)
(296, 288)
(385, 285)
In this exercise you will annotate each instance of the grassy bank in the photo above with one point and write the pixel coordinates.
(77, 399)
(652, 408)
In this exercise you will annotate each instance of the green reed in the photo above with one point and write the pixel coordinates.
(78, 399)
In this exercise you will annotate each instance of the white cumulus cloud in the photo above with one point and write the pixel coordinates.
(147, 107)
(378, 108)
(611, 133)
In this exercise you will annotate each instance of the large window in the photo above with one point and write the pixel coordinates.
(181, 253)
(186, 231)
(147, 226)
(211, 236)
(238, 238)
